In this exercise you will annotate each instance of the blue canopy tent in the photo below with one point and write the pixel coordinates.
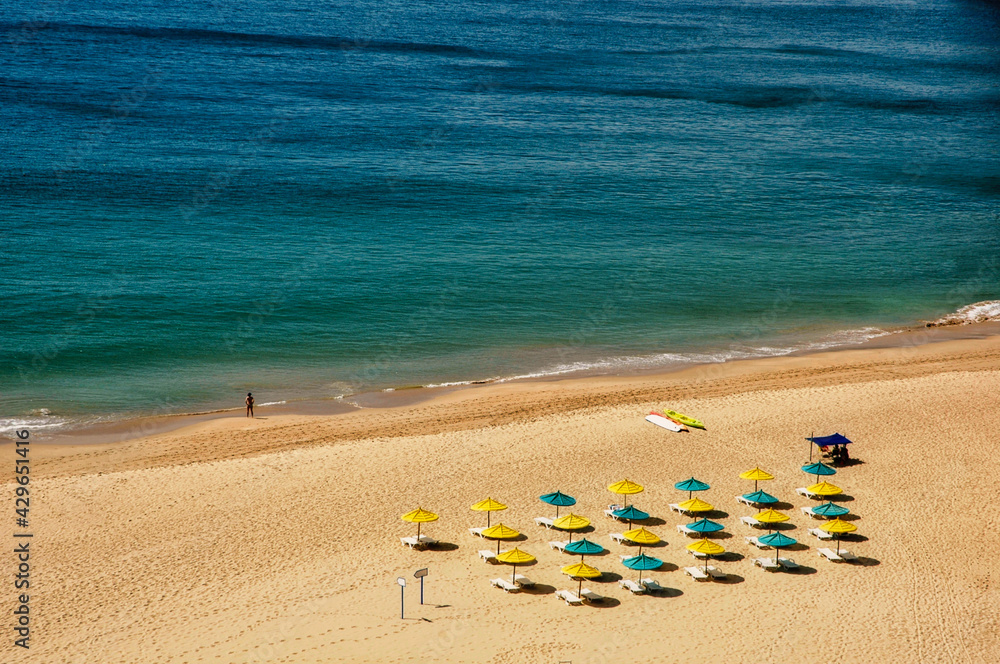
(827, 441)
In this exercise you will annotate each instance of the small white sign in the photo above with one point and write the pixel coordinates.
(401, 581)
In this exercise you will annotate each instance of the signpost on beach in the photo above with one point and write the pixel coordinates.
(420, 574)
(402, 591)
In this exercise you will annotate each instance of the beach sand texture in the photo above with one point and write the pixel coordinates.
(277, 540)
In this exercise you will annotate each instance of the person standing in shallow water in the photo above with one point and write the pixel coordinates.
(249, 404)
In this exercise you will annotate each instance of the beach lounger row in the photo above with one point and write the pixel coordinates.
(833, 556)
(520, 581)
(773, 565)
(417, 543)
(544, 521)
(586, 595)
(704, 573)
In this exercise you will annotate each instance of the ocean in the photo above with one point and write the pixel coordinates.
(311, 201)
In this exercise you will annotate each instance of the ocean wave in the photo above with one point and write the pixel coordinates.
(40, 419)
(978, 312)
(672, 360)
(249, 38)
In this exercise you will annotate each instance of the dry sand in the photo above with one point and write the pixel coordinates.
(277, 540)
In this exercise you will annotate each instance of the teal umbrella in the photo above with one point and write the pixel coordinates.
(584, 547)
(642, 563)
(631, 514)
(777, 540)
(818, 468)
(830, 509)
(760, 498)
(559, 499)
(692, 485)
(705, 526)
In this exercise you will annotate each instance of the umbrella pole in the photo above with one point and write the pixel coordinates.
(579, 588)
(513, 573)
(487, 519)
(418, 531)
(498, 546)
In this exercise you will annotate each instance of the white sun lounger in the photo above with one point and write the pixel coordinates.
(696, 573)
(558, 545)
(632, 586)
(744, 500)
(523, 581)
(822, 534)
(808, 511)
(681, 528)
(506, 585)
(756, 542)
(591, 597)
(832, 555)
(623, 557)
(617, 537)
(802, 491)
(569, 597)
(716, 573)
(478, 532)
(768, 564)
(487, 556)
(698, 554)
(544, 521)
(651, 585)
(415, 543)
(674, 507)
(611, 513)
(612, 508)
(750, 522)
(788, 563)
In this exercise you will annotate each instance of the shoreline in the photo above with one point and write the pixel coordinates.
(229, 437)
(132, 428)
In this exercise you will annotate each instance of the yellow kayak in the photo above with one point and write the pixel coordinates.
(683, 419)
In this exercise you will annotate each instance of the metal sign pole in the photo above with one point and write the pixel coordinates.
(420, 574)
(402, 591)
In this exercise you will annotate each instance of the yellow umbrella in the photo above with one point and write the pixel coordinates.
(419, 516)
(581, 571)
(696, 505)
(838, 527)
(771, 516)
(515, 557)
(757, 475)
(488, 505)
(625, 488)
(571, 522)
(706, 546)
(824, 489)
(499, 532)
(642, 537)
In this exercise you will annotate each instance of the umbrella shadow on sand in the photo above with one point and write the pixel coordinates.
(781, 505)
(731, 579)
(653, 521)
(443, 546)
(714, 515)
(840, 498)
(539, 589)
(606, 603)
(864, 561)
(666, 592)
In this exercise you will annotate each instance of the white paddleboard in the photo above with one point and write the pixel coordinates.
(661, 421)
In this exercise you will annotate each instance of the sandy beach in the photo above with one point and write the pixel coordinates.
(277, 539)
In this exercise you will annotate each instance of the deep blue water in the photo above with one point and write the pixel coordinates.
(311, 199)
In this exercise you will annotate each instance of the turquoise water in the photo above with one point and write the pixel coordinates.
(311, 201)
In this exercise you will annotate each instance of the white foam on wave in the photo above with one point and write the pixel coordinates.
(665, 360)
(270, 403)
(33, 422)
(978, 312)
